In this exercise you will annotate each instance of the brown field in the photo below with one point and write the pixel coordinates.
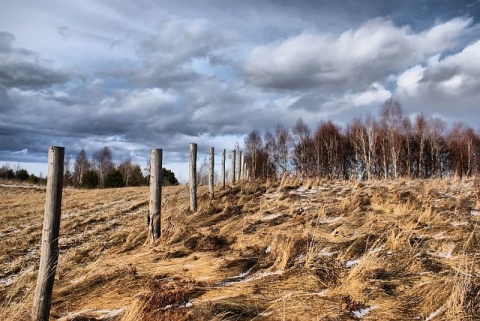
(290, 250)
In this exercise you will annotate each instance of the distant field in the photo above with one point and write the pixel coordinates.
(290, 250)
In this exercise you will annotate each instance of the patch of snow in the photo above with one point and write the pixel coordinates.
(362, 312)
(330, 220)
(455, 224)
(475, 213)
(434, 314)
(439, 236)
(253, 278)
(268, 249)
(189, 304)
(242, 275)
(271, 217)
(7, 281)
(324, 252)
(264, 314)
(352, 262)
(447, 253)
(103, 314)
(376, 250)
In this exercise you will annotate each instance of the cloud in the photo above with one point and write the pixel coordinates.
(21, 68)
(352, 60)
(446, 86)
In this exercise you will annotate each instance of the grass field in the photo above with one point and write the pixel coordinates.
(289, 250)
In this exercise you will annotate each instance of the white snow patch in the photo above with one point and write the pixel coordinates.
(271, 217)
(7, 281)
(362, 312)
(330, 220)
(103, 314)
(242, 275)
(265, 314)
(434, 314)
(455, 224)
(447, 252)
(352, 262)
(253, 278)
(475, 213)
(325, 252)
(376, 250)
(268, 249)
(189, 304)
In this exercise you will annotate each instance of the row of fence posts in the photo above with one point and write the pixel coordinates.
(53, 202)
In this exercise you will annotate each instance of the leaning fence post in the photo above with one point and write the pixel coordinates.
(155, 205)
(193, 177)
(51, 229)
(232, 166)
(211, 173)
(224, 152)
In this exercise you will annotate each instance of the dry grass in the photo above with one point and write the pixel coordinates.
(289, 250)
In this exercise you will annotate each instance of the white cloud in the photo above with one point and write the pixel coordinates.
(446, 86)
(354, 59)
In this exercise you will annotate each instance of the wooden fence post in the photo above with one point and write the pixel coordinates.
(211, 175)
(244, 171)
(193, 177)
(51, 229)
(224, 152)
(239, 165)
(155, 205)
(232, 166)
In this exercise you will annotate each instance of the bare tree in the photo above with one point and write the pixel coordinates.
(253, 148)
(126, 169)
(103, 163)
(420, 133)
(302, 148)
(82, 165)
(391, 115)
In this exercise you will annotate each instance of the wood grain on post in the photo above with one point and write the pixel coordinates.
(239, 165)
(155, 205)
(211, 174)
(193, 177)
(232, 166)
(224, 154)
(51, 230)
(244, 171)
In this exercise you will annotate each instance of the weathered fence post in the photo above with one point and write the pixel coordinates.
(232, 166)
(239, 165)
(51, 229)
(244, 170)
(211, 175)
(224, 152)
(193, 177)
(155, 205)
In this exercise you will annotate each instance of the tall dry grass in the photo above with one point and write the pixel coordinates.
(296, 249)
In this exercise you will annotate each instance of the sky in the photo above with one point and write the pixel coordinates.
(136, 75)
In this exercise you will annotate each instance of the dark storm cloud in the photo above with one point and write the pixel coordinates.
(20, 68)
(166, 73)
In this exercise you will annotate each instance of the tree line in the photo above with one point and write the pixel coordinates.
(388, 146)
(101, 172)
(20, 174)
